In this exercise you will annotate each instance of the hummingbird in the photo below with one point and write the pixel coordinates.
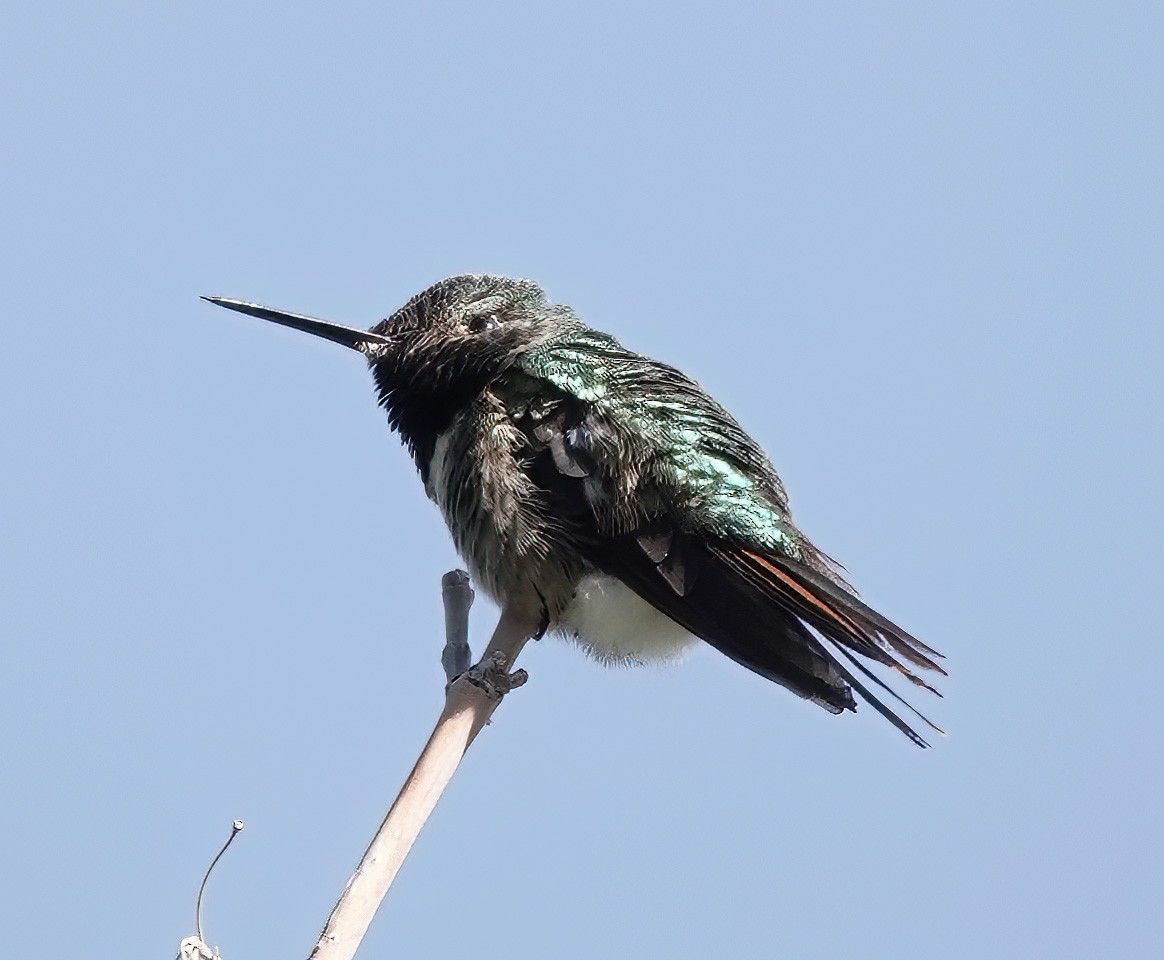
(612, 497)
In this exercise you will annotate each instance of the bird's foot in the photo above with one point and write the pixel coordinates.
(494, 678)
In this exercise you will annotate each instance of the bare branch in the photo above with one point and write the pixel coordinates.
(457, 595)
(470, 701)
(195, 948)
(235, 828)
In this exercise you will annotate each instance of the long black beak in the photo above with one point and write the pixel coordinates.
(348, 336)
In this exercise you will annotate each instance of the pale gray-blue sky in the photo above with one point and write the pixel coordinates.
(915, 247)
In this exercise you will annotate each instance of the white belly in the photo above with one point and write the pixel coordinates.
(616, 626)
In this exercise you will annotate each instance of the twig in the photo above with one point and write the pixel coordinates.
(195, 948)
(235, 829)
(470, 701)
(457, 595)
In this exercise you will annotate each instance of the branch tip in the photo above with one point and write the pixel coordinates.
(235, 828)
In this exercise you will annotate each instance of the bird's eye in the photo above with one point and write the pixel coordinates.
(483, 321)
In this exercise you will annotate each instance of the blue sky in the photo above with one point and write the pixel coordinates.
(914, 247)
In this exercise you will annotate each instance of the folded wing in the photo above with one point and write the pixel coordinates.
(666, 492)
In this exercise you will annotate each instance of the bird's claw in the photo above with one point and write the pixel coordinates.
(492, 677)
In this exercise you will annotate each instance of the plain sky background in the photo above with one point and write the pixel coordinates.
(914, 247)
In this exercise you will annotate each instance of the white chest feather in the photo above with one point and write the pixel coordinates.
(616, 626)
(438, 471)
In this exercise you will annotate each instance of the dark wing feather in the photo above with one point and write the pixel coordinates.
(706, 598)
(842, 620)
(667, 493)
(833, 611)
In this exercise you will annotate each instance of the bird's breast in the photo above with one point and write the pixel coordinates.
(501, 525)
(496, 515)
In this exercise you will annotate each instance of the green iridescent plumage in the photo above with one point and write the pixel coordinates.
(697, 461)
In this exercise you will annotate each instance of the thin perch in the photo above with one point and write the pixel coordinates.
(470, 700)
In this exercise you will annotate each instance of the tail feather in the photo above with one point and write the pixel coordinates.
(844, 624)
(888, 689)
(778, 618)
(880, 707)
(902, 642)
(725, 613)
(835, 612)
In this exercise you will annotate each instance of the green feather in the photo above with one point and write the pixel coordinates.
(702, 457)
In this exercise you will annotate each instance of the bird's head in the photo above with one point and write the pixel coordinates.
(436, 353)
(448, 343)
(472, 310)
